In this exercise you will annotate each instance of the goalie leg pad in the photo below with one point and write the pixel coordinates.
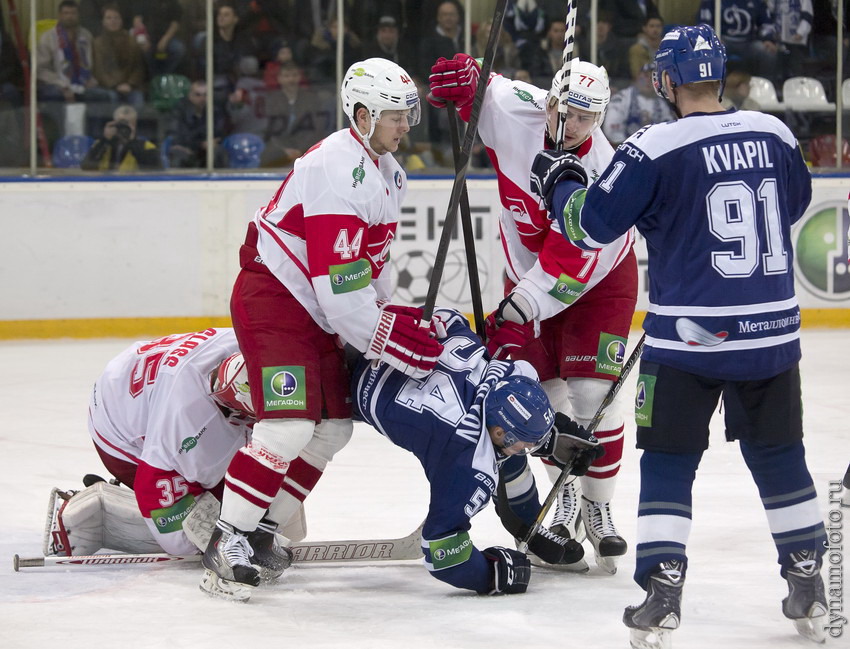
(199, 523)
(104, 516)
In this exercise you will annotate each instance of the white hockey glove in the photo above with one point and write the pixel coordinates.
(569, 440)
(549, 168)
(400, 342)
(511, 570)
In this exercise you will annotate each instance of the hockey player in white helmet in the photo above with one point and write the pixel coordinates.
(166, 417)
(566, 313)
(314, 276)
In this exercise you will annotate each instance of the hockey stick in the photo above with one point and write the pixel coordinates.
(565, 472)
(468, 234)
(462, 165)
(566, 68)
(406, 548)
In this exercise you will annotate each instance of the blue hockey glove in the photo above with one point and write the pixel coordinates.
(511, 571)
(569, 440)
(550, 167)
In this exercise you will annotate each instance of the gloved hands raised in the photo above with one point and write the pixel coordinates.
(569, 440)
(550, 167)
(454, 80)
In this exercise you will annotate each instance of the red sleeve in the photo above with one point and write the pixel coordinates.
(334, 240)
(158, 489)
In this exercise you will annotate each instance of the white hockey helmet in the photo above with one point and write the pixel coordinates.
(589, 89)
(230, 384)
(379, 85)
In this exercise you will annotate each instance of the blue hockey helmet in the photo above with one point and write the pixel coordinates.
(689, 55)
(521, 408)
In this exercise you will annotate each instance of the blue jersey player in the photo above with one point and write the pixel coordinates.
(715, 194)
(460, 421)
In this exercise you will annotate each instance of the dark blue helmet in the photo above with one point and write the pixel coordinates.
(520, 406)
(689, 55)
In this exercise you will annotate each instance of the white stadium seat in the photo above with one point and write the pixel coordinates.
(805, 94)
(763, 93)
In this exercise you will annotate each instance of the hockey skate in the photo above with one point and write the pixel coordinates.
(227, 559)
(806, 603)
(566, 524)
(653, 621)
(270, 557)
(608, 545)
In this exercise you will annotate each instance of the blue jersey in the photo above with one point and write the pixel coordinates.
(715, 196)
(439, 419)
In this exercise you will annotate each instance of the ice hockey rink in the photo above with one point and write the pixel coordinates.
(375, 490)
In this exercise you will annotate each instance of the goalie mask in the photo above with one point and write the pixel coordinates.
(379, 85)
(589, 91)
(230, 385)
(521, 408)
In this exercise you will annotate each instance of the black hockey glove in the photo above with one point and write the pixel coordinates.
(511, 571)
(571, 442)
(550, 167)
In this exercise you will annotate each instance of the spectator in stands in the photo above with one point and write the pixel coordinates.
(321, 52)
(747, 31)
(643, 50)
(11, 74)
(611, 54)
(524, 21)
(506, 60)
(65, 60)
(283, 54)
(247, 104)
(230, 45)
(634, 107)
(298, 117)
(156, 24)
(792, 23)
(386, 44)
(736, 93)
(544, 58)
(366, 16)
(824, 38)
(91, 13)
(628, 16)
(188, 130)
(119, 149)
(446, 39)
(119, 65)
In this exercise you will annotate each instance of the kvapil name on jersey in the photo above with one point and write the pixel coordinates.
(734, 156)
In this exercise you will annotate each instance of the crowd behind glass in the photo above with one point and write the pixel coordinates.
(122, 84)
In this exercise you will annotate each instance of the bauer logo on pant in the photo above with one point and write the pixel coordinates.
(284, 388)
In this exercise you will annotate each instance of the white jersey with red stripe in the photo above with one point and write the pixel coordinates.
(326, 234)
(512, 127)
(152, 407)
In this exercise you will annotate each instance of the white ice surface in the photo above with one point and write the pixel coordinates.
(373, 489)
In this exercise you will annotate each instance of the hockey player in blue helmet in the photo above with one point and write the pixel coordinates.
(461, 421)
(715, 194)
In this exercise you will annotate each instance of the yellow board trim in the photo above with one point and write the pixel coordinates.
(147, 328)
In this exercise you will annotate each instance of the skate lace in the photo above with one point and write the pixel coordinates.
(566, 507)
(600, 520)
(237, 550)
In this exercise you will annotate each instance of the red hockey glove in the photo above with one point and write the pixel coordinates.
(454, 80)
(400, 342)
(505, 338)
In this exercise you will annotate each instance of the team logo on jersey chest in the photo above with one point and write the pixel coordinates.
(284, 388)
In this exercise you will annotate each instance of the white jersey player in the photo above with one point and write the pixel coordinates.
(580, 305)
(314, 269)
(166, 417)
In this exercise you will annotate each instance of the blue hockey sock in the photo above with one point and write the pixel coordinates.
(788, 496)
(664, 510)
(521, 488)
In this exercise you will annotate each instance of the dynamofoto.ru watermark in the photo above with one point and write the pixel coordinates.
(835, 560)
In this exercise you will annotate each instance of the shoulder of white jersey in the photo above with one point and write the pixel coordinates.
(524, 368)
(342, 165)
(518, 95)
(657, 140)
